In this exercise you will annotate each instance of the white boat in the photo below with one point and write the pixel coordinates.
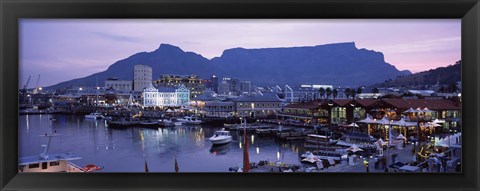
(221, 137)
(45, 162)
(94, 116)
(190, 120)
(166, 123)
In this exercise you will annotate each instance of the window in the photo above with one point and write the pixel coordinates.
(36, 165)
(55, 163)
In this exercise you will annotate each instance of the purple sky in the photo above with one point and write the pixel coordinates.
(64, 49)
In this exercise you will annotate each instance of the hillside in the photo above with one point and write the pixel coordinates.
(338, 64)
(442, 75)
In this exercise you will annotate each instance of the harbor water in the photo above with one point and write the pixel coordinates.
(125, 150)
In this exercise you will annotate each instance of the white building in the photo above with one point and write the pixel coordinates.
(165, 97)
(142, 77)
(118, 85)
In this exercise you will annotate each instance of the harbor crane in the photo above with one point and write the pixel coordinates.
(24, 90)
(37, 88)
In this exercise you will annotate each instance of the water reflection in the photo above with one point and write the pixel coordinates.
(124, 150)
(220, 149)
(28, 123)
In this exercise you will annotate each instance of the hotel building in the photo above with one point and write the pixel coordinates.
(142, 77)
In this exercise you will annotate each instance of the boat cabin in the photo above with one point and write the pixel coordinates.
(221, 133)
(49, 163)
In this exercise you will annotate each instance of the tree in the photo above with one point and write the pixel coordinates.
(353, 93)
(359, 90)
(321, 91)
(452, 87)
(335, 93)
(442, 89)
(329, 92)
(375, 90)
(347, 92)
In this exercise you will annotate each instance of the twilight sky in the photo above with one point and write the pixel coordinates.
(64, 49)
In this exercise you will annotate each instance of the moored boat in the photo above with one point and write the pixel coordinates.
(94, 116)
(190, 120)
(166, 123)
(148, 123)
(221, 137)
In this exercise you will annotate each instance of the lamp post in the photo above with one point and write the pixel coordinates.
(365, 162)
(418, 115)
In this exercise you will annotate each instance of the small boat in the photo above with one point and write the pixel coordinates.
(94, 116)
(190, 120)
(319, 139)
(122, 123)
(149, 123)
(165, 123)
(221, 137)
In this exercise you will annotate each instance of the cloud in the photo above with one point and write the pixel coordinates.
(116, 37)
(440, 44)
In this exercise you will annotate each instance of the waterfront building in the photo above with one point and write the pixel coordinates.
(442, 109)
(166, 97)
(218, 108)
(65, 103)
(193, 83)
(346, 111)
(198, 103)
(142, 77)
(257, 105)
(118, 85)
(302, 93)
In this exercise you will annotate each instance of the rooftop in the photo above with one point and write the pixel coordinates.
(266, 97)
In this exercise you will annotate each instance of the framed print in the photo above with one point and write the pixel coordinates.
(377, 95)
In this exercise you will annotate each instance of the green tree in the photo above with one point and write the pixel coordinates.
(375, 90)
(321, 91)
(347, 92)
(353, 93)
(359, 90)
(335, 93)
(329, 92)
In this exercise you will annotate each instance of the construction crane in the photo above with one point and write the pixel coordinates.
(24, 90)
(35, 91)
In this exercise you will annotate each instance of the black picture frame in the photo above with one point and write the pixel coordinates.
(11, 11)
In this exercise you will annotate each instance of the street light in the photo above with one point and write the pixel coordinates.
(419, 115)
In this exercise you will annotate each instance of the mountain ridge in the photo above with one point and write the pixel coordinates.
(441, 75)
(335, 63)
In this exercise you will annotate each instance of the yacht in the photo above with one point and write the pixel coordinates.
(221, 137)
(190, 120)
(94, 116)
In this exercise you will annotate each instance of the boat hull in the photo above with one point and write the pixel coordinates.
(221, 141)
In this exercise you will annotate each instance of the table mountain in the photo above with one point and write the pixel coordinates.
(338, 64)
